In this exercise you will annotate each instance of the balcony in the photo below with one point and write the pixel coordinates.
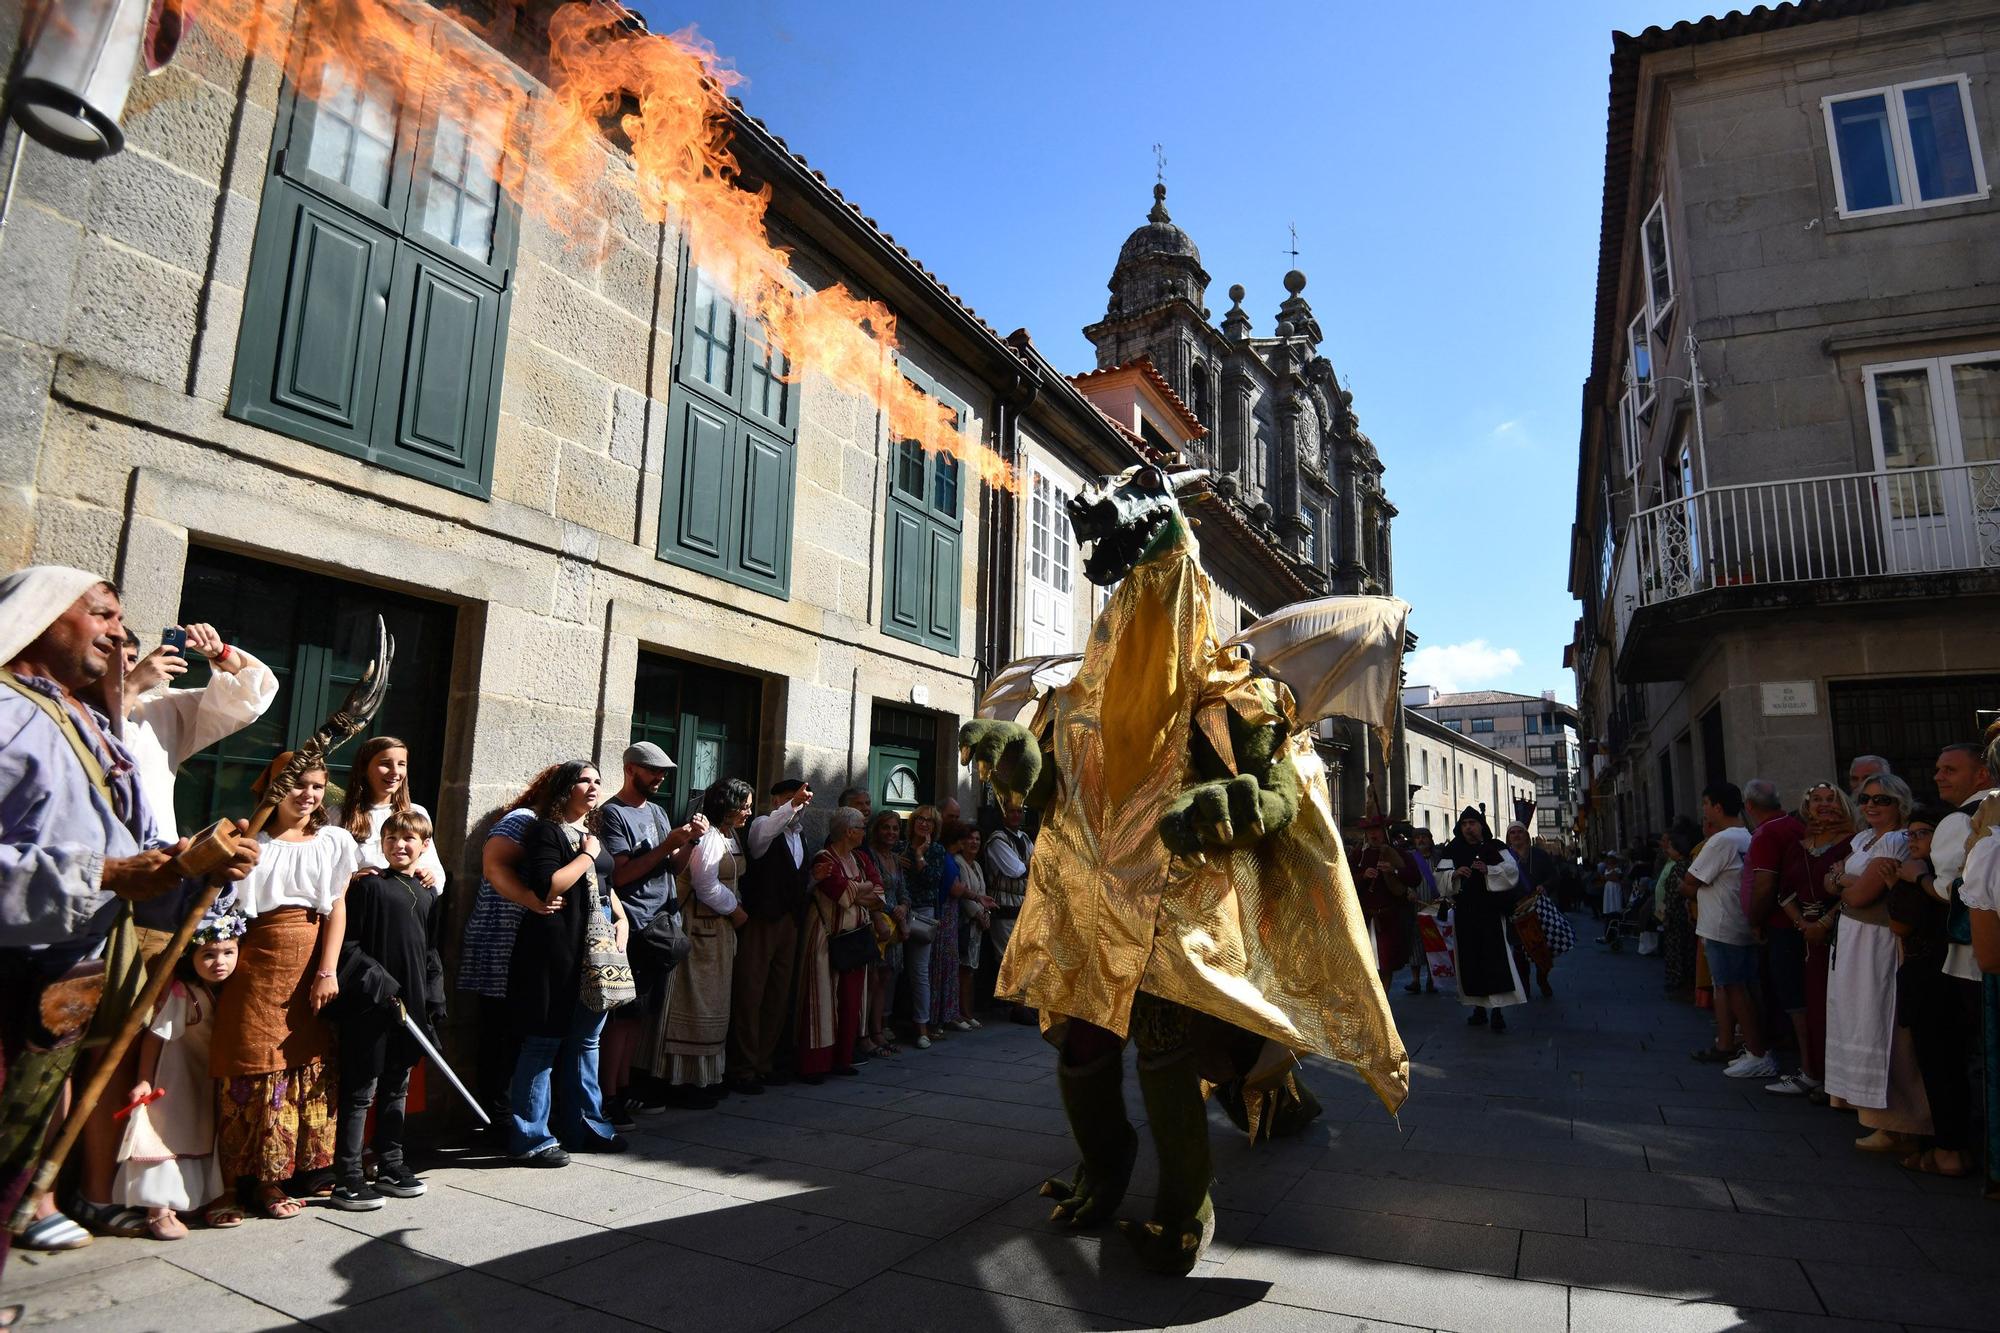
(1899, 533)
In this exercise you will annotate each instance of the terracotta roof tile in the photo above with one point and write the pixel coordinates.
(1144, 365)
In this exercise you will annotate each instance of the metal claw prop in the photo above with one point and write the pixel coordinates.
(217, 846)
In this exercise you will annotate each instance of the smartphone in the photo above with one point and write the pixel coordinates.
(176, 638)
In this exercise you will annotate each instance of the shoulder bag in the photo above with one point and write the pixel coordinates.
(607, 972)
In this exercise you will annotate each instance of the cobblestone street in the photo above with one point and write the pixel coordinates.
(1577, 1173)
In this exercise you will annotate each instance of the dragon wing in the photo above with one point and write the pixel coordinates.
(1024, 682)
(1341, 656)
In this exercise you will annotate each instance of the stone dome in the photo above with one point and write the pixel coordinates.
(1159, 237)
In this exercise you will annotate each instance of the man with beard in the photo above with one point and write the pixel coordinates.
(647, 852)
(1483, 887)
(77, 847)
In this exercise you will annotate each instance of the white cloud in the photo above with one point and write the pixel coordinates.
(1507, 427)
(1452, 667)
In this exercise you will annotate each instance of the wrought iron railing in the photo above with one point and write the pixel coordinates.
(1816, 529)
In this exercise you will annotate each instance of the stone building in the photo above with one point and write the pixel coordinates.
(1294, 508)
(1528, 729)
(244, 374)
(1449, 770)
(1796, 561)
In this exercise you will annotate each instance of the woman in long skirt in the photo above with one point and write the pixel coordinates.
(829, 1014)
(1677, 939)
(272, 1057)
(697, 1021)
(1870, 1063)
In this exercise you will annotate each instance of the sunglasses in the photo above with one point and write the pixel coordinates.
(1878, 798)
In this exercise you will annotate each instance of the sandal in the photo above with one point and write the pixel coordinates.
(1925, 1163)
(277, 1205)
(52, 1234)
(222, 1216)
(110, 1219)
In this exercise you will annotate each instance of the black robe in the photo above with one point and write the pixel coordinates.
(545, 975)
(394, 920)
(1479, 919)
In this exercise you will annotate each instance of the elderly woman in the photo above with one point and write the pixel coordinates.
(561, 861)
(932, 952)
(1870, 1063)
(885, 832)
(690, 1056)
(830, 994)
(1677, 939)
(975, 909)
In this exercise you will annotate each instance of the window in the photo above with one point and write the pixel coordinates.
(1935, 426)
(1631, 432)
(1314, 523)
(1907, 146)
(1640, 344)
(1546, 821)
(1481, 724)
(922, 564)
(380, 278)
(1051, 565)
(1659, 264)
(732, 430)
(1545, 786)
(1541, 754)
(1456, 724)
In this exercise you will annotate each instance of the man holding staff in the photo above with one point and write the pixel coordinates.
(77, 847)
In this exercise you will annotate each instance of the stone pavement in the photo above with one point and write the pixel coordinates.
(1577, 1173)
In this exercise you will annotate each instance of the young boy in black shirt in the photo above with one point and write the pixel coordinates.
(393, 919)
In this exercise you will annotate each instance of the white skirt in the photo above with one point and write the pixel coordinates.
(1518, 995)
(1614, 898)
(1860, 1013)
(184, 1184)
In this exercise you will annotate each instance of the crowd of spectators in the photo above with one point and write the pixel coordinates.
(616, 960)
(1847, 944)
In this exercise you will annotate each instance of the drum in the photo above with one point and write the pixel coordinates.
(1534, 940)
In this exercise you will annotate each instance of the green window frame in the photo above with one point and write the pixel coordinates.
(923, 546)
(381, 277)
(731, 471)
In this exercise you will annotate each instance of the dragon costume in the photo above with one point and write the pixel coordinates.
(1188, 891)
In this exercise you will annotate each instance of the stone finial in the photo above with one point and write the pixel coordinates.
(1159, 209)
(1236, 320)
(1284, 329)
(1295, 282)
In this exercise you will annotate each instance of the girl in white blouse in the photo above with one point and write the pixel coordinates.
(378, 785)
(271, 1055)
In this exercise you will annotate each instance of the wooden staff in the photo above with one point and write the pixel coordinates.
(205, 857)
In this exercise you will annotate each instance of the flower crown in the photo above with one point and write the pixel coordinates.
(218, 926)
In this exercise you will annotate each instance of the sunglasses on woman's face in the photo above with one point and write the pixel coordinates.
(1878, 798)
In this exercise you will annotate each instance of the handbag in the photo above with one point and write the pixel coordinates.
(663, 945)
(921, 928)
(607, 973)
(852, 949)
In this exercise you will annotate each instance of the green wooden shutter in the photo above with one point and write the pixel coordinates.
(435, 417)
(311, 345)
(731, 469)
(923, 550)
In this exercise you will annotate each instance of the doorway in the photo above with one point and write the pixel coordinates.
(317, 634)
(902, 758)
(705, 718)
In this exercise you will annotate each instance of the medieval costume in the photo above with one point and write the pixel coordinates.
(691, 1051)
(1482, 901)
(1386, 897)
(830, 1001)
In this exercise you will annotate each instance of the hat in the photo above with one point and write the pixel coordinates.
(34, 598)
(786, 786)
(647, 755)
(219, 924)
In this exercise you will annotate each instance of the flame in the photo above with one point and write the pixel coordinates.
(670, 97)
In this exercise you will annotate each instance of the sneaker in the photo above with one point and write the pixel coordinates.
(1708, 1055)
(1752, 1066)
(1793, 1085)
(615, 1144)
(552, 1155)
(923, 1042)
(398, 1181)
(356, 1198)
(618, 1111)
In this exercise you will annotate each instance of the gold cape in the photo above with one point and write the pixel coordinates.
(1270, 938)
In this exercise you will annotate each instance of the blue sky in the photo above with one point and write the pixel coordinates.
(1443, 163)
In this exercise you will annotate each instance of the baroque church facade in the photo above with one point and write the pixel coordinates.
(1281, 436)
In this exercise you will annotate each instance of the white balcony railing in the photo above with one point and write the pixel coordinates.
(1816, 529)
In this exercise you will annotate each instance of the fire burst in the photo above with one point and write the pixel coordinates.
(669, 95)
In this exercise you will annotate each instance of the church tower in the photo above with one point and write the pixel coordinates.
(1158, 310)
